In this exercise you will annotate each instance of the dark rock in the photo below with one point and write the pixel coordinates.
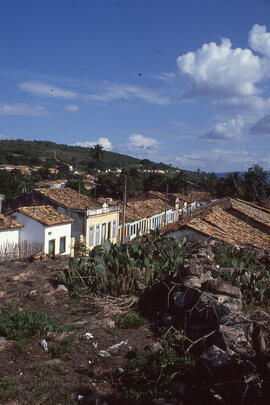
(220, 287)
(216, 358)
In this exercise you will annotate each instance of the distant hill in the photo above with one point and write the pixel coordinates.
(34, 152)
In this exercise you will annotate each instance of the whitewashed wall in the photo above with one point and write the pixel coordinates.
(10, 236)
(56, 232)
(33, 231)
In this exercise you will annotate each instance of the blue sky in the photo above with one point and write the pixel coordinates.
(178, 81)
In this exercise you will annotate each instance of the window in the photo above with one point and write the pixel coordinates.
(91, 236)
(103, 234)
(62, 247)
(52, 247)
(109, 230)
(97, 234)
(114, 229)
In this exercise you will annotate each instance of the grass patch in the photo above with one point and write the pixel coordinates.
(66, 345)
(9, 387)
(129, 319)
(46, 370)
(152, 374)
(19, 325)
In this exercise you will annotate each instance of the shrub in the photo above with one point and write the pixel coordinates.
(23, 324)
(125, 269)
(129, 319)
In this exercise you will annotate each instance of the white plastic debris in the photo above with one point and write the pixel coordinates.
(89, 362)
(44, 345)
(95, 344)
(124, 342)
(104, 353)
(120, 370)
(89, 335)
(79, 397)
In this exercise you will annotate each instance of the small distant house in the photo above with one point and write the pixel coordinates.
(46, 226)
(56, 183)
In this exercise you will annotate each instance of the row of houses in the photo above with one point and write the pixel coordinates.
(55, 217)
(230, 220)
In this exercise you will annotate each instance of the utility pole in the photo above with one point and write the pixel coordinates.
(167, 189)
(124, 209)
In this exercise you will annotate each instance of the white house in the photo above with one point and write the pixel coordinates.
(9, 235)
(44, 225)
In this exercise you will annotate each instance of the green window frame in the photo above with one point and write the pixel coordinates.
(62, 244)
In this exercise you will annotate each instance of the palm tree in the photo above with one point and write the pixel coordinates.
(233, 185)
(97, 152)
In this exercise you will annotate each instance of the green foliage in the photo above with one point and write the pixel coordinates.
(255, 183)
(152, 374)
(251, 276)
(129, 319)
(14, 183)
(9, 387)
(23, 324)
(117, 269)
(66, 345)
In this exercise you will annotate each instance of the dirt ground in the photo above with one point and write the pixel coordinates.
(41, 377)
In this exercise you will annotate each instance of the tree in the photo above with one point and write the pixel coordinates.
(255, 184)
(232, 185)
(97, 153)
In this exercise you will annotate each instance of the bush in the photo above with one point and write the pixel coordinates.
(129, 319)
(23, 324)
(125, 269)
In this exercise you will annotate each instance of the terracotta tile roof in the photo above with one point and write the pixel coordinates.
(69, 198)
(201, 196)
(219, 220)
(252, 211)
(136, 210)
(45, 214)
(7, 223)
(224, 226)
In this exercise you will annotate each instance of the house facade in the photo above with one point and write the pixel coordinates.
(45, 226)
(93, 221)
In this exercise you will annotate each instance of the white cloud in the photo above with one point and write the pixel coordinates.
(217, 160)
(71, 108)
(104, 142)
(221, 71)
(46, 90)
(116, 91)
(230, 129)
(259, 40)
(141, 142)
(22, 109)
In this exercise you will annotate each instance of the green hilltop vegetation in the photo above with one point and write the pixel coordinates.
(142, 174)
(31, 153)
